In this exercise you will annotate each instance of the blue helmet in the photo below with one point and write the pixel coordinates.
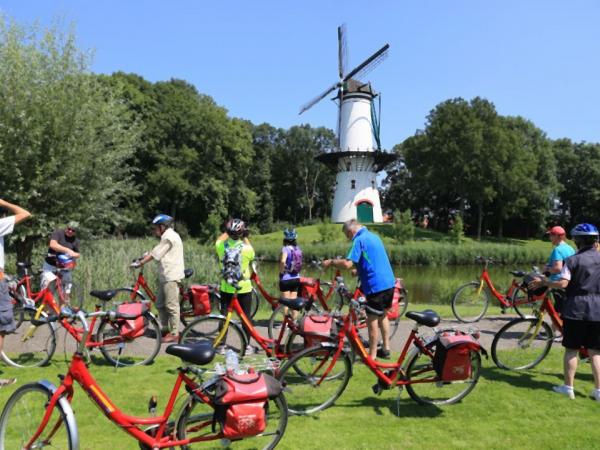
(65, 261)
(584, 229)
(290, 235)
(163, 219)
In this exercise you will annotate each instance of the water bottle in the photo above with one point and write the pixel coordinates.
(219, 369)
(231, 361)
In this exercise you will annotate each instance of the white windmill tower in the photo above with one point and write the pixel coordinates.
(358, 156)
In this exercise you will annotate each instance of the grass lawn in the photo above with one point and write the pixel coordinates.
(505, 410)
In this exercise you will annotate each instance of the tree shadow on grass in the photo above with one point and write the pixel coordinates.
(403, 408)
(514, 378)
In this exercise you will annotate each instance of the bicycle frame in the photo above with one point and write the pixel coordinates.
(506, 300)
(79, 373)
(388, 373)
(272, 347)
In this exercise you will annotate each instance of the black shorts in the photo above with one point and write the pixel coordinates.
(381, 300)
(581, 333)
(291, 285)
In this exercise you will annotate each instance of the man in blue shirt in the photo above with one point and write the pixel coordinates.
(376, 281)
(560, 253)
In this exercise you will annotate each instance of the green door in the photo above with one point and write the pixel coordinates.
(364, 211)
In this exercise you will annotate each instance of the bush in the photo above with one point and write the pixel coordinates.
(457, 230)
(327, 231)
(403, 229)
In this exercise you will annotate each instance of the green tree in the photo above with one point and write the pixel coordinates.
(64, 138)
(403, 228)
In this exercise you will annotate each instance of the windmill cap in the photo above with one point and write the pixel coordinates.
(559, 231)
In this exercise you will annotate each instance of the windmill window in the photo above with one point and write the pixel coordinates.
(348, 166)
(353, 184)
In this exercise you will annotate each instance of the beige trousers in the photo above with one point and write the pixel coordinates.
(167, 304)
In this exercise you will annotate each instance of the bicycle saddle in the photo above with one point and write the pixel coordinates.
(428, 317)
(24, 265)
(199, 353)
(296, 304)
(104, 295)
(188, 273)
(518, 273)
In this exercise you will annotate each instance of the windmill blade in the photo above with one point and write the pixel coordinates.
(318, 98)
(342, 50)
(369, 64)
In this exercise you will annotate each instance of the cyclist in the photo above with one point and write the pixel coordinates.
(235, 254)
(580, 276)
(376, 280)
(560, 253)
(290, 264)
(169, 254)
(63, 250)
(7, 323)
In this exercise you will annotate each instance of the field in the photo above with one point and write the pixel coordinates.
(428, 247)
(506, 410)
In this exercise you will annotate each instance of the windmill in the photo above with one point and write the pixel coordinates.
(357, 157)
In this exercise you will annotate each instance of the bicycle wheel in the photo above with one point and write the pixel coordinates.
(470, 302)
(518, 346)
(123, 351)
(196, 418)
(209, 328)
(523, 304)
(403, 304)
(276, 320)
(254, 303)
(18, 313)
(125, 295)
(29, 345)
(22, 415)
(313, 380)
(424, 390)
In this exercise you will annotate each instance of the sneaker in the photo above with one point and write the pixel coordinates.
(250, 350)
(7, 381)
(565, 390)
(595, 395)
(384, 354)
(221, 349)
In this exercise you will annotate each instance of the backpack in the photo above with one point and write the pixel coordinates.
(293, 263)
(232, 264)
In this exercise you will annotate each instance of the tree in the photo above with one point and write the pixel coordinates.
(64, 137)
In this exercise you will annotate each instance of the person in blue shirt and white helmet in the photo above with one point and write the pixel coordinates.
(580, 276)
(377, 281)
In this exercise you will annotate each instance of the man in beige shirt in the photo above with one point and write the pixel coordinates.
(169, 254)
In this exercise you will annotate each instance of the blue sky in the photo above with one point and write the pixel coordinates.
(263, 59)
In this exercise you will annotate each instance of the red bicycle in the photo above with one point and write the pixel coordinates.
(39, 414)
(440, 369)
(471, 300)
(22, 293)
(189, 308)
(523, 343)
(129, 343)
(226, 334)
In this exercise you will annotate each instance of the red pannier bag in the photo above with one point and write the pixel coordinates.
(308, 288)
(315, 329)
(132, 328)
(200, 299)
(394, 311)
(452, 358)
(240, 403)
